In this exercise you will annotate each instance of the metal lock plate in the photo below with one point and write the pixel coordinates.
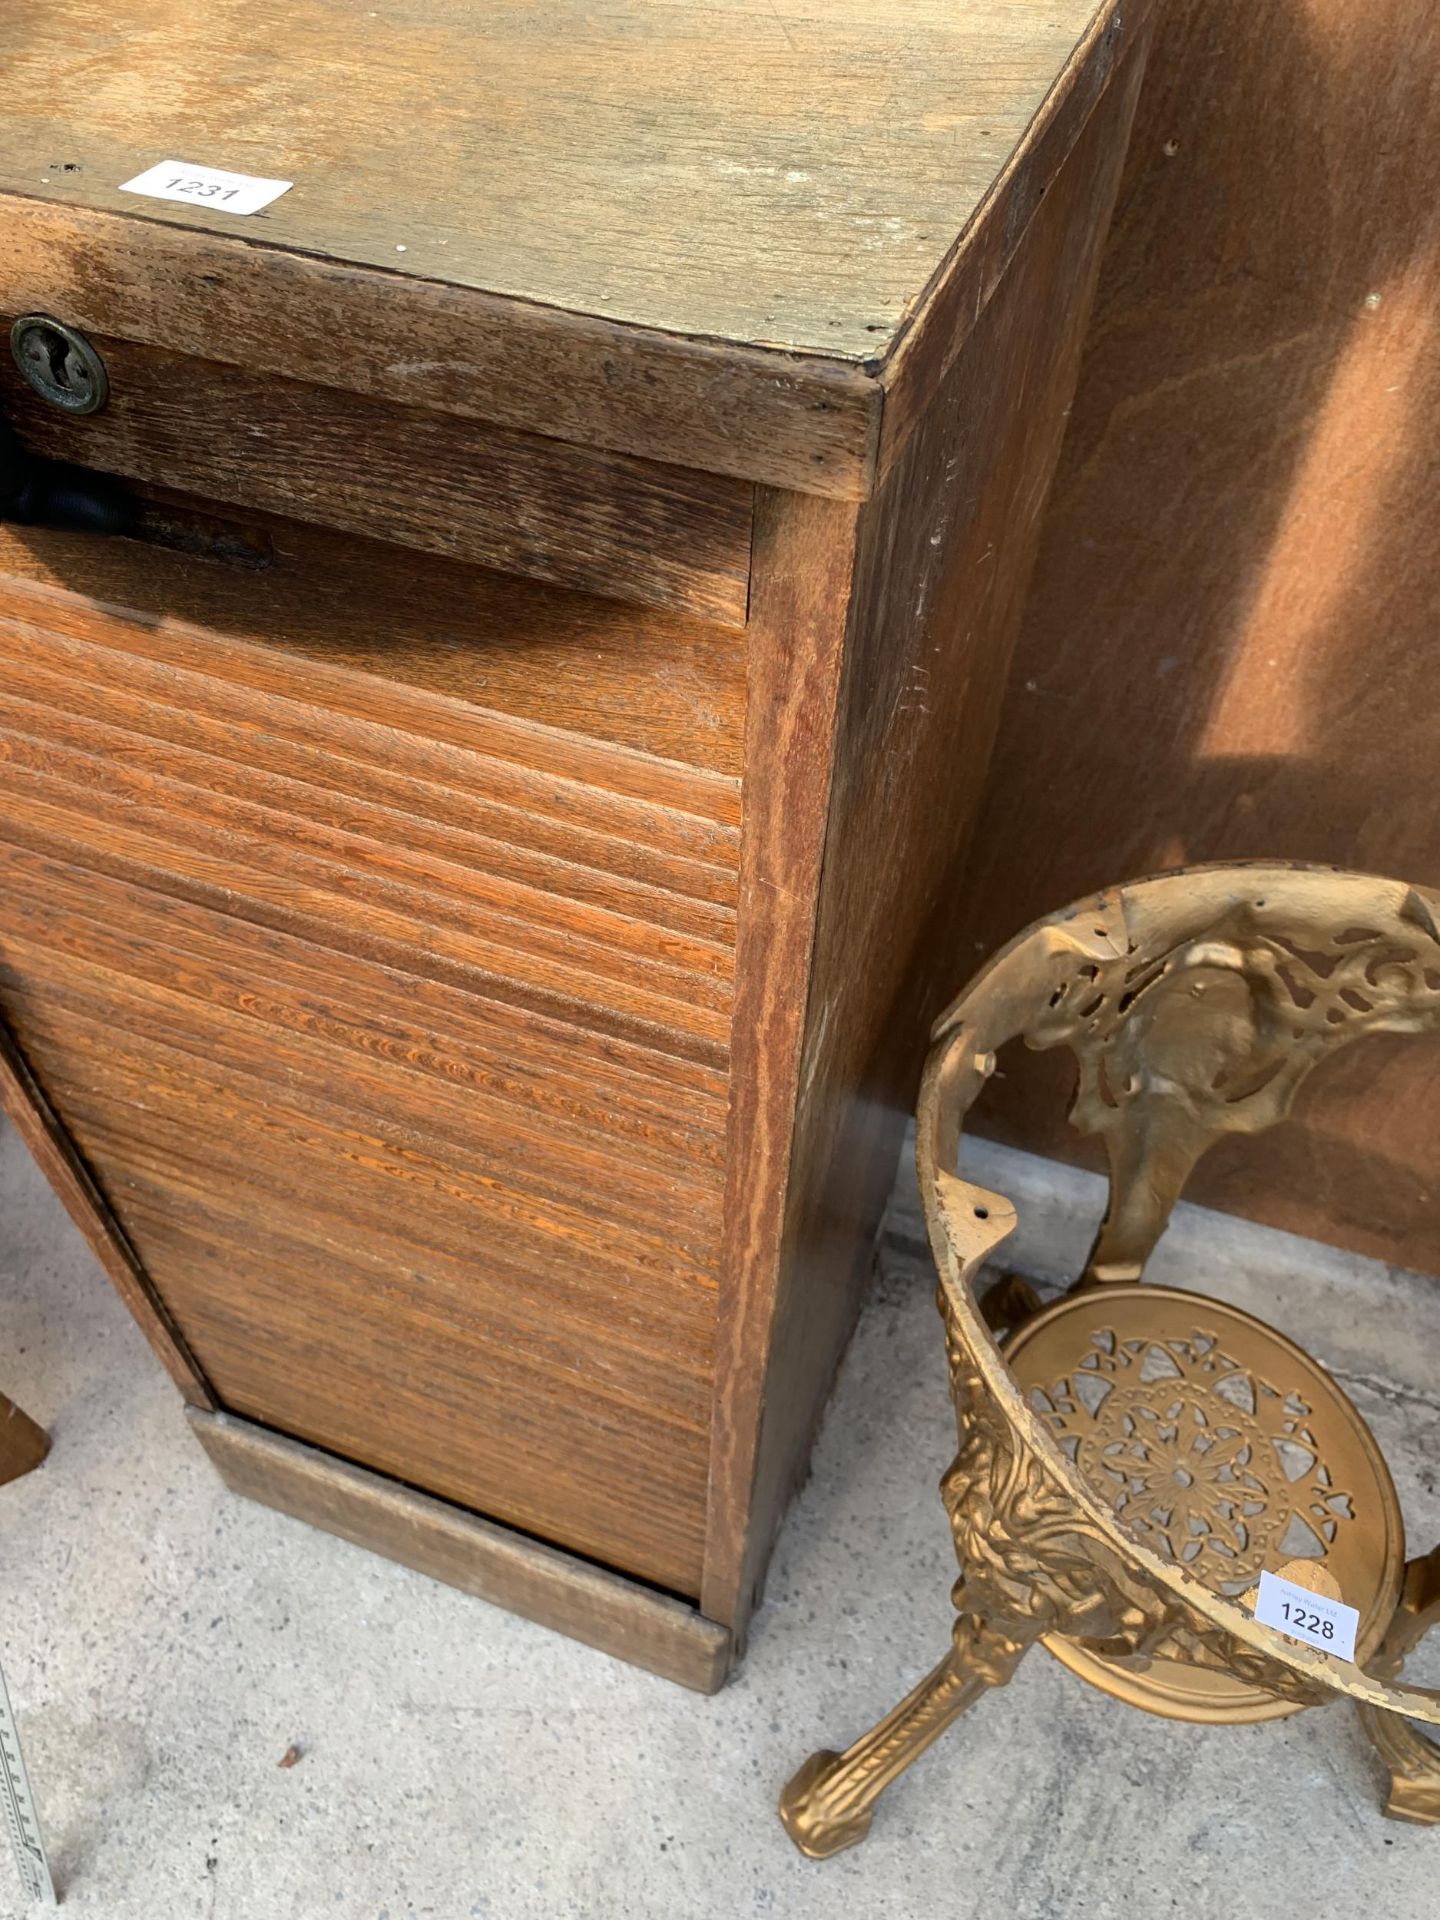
(60, 364)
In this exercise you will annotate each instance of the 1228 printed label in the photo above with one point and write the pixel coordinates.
(1327, 1624)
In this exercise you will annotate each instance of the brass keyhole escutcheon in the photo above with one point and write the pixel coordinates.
(60, 364)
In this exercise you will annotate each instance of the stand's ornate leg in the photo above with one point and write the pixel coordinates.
(1410, 1757)
(1153, 1148)
(1011, 1300)
(829, 1804)
(23, 1445)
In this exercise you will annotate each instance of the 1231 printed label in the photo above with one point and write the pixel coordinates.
(1327, 1624)
(210, 187)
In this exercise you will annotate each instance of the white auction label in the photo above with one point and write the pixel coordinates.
(208, 187)
(1327, 1624)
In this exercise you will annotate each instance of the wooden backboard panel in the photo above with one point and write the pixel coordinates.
(1229, 650)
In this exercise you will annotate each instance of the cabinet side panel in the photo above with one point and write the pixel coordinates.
(803, 573)
(944, 553)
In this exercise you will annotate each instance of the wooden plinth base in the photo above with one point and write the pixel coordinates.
(603, 1609)
(23, 1445)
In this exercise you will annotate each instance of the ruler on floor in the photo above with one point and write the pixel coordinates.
(20, 1807)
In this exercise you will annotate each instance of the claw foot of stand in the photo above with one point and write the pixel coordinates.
(1412, 1761)
(1410, 1757)
(829, 1804)
(1415, 1793)
(813, 1808)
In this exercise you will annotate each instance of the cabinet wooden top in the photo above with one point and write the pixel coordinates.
(787, 176)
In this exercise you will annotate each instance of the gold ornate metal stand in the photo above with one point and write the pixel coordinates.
(1131, 1458)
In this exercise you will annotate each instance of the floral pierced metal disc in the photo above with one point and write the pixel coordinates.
(1222, 1446)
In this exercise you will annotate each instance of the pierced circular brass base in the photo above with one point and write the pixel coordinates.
(1223, 1446)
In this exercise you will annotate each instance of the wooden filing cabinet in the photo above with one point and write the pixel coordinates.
(478, 851)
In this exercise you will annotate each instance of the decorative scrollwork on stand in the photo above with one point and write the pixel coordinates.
(1031, 1554)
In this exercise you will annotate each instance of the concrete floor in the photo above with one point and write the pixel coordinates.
(165, 1644)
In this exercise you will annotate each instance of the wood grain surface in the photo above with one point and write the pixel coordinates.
(700, 235)
(789, 177)
(672, 689)
(505, 1568)
(1229, 651)
(395, 1031)
(937, 332)
(805, 558)
(930, 602)
(55, 1153)
(789, 420)
(631, 529)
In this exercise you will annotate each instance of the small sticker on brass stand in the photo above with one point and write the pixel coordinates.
(1303, 1602)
